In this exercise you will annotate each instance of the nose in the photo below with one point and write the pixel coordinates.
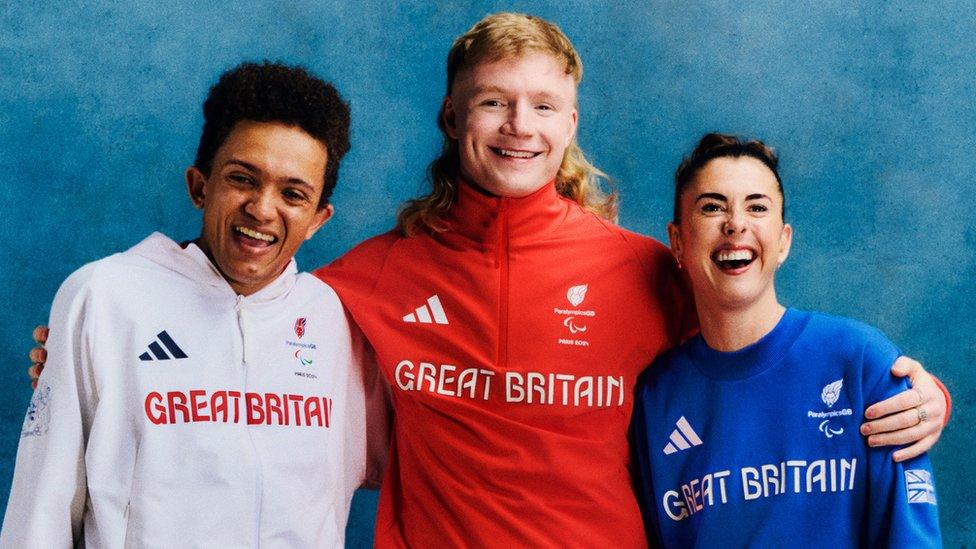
(261, 205)
(734, 223)
(519, 122)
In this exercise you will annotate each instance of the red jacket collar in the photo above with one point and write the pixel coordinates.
(486, 218)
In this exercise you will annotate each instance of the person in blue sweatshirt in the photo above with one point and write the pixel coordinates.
(747, 434)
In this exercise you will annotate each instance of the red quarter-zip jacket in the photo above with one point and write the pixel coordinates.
(512, 343)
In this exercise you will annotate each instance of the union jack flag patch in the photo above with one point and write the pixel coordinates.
(919, 485)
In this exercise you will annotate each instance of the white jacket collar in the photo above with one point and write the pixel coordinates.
(192, 263)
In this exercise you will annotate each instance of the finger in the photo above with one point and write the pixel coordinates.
(908, 419)
(38, 354)
(901, 420)
(905, 366)
(40, 334)
(34, 384)
(924, 382)
(34, 371)
(901, 436)
(933, 399)
(902, 401)
(927, 389)
(916, 449)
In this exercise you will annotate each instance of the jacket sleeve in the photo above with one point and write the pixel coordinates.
(372, 438)
(48, 494)
(379, 416)
(670, 284)
(902, 504)
(640, 466)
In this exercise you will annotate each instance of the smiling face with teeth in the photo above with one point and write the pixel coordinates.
(513, 119)
(260, 201)
(731, 237)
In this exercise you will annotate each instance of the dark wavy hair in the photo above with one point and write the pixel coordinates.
(275, 92)
(719, 145)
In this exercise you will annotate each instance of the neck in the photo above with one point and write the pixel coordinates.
(240, 288)
(729, 329)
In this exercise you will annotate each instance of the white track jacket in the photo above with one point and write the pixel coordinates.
(174, 413)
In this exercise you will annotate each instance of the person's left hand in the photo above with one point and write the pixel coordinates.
(913, 416)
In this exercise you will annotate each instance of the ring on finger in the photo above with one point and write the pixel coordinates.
(922, 414)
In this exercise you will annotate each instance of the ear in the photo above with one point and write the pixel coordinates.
(321, 216)
(785, 241)
(196, 184)
(449, 117)
(674, 236)
(572, 130)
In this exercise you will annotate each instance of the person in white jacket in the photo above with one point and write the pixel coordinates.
(207, 394)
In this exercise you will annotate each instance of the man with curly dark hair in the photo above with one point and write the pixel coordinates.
(272, 92)
(207, 391)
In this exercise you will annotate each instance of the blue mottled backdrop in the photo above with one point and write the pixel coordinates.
(870, 104)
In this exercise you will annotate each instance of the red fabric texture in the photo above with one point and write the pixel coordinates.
(510, 419)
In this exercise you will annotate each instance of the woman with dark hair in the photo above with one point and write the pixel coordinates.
(747, 434)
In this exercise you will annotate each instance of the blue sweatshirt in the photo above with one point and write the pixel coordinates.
(761, 446)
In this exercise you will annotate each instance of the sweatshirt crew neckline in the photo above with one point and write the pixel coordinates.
(752, 359)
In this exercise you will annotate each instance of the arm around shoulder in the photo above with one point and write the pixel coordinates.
(48, 493)
(915, 415)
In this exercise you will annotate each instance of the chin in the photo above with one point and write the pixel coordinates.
(524, 185)
(244, 274)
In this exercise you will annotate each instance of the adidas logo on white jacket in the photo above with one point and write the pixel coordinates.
(156, 352)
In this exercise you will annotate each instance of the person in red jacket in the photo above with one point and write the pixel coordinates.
(511, 317)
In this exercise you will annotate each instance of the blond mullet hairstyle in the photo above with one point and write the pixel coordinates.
(494, 38)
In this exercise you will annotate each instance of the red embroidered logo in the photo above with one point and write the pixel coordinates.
(300, 327)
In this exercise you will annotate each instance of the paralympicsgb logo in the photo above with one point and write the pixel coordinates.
(300, 327)
(831, 392)
(575, 320)
(576, 294)
(831, 421)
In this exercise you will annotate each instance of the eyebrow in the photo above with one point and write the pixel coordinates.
(713, 196)
(488, 89)
(252, 168)
(721, 197)
(543, 95)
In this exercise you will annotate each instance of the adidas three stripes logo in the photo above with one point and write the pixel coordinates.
(682, 438)
(429, 313)
(156, 351)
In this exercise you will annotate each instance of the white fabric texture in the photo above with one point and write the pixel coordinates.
(255, 437)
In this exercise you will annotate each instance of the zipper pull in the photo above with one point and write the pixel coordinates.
(242, 324)
(501, 240)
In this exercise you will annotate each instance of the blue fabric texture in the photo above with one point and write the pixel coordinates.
(760, 447)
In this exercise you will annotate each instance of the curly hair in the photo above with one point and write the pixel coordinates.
(275, 92)
(719, 145)
(497, 37)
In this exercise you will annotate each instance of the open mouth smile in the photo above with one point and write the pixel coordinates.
(733, 260)
(254, 237)
(512, 153)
